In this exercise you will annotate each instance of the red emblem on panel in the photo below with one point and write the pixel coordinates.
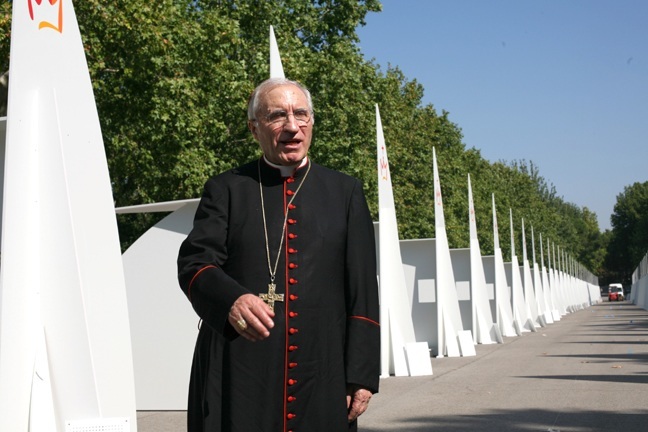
(384, 167)
(48, 13)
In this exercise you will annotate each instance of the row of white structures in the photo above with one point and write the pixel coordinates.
(421, 314)
(87, 336)
(434, 300)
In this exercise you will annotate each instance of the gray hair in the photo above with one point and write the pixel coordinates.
(268, 85)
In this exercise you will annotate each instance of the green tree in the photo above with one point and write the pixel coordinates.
(171, 81)
(629, 238)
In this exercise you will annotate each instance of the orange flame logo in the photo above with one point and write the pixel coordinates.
(52, 17)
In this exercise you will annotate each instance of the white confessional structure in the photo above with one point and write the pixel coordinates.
(538, 283)
(504, 313)
(527, 283)
(452, 339)
(65, 347)
(401, 355)
(484, 330)
(521, 312)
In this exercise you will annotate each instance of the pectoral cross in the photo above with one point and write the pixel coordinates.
(271, 297)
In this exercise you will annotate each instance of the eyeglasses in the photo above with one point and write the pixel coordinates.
(280, 118)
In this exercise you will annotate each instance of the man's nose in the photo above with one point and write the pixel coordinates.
(291, 123)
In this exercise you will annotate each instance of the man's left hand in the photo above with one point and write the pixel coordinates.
(357, 401)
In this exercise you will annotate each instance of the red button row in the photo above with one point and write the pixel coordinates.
(292, 297)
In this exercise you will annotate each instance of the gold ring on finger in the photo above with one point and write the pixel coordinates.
(242, 325)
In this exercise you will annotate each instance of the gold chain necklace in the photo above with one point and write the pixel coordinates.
(270, 297)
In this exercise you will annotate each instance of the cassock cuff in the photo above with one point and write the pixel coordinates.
(363, 353)
(212, 295)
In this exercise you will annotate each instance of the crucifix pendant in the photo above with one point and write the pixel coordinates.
(271, 297)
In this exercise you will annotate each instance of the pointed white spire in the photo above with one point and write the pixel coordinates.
(533, 250)
(496, 242)
(512, 236)
(61, 280)
(400, 353)
(547, 283)
(472, 222)
(541, 253)
(504, 313)
(538, 284)
(449, 324)
(521, 313)
(276, 68)
(560, 284)
(558, 288)
(483, 329)
(524, 248)
(529, 292)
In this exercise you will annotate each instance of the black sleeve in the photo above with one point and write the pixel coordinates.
(363, 330)
(203, 253)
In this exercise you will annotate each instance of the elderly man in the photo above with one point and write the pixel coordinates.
(280, 266)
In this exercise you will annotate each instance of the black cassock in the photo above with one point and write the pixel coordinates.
(326, 332)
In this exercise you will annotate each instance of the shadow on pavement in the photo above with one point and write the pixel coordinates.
(522, 421)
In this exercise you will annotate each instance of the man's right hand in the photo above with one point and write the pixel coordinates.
(251, 317)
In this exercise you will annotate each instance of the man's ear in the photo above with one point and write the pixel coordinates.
(252, 125)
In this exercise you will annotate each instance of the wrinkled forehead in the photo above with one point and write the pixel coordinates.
(283, 97)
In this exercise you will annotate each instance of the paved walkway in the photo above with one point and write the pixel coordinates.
(587, 372)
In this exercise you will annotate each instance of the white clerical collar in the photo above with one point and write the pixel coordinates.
(286, 170)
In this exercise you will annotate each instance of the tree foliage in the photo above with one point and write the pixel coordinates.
(629, 238)
(172, 77)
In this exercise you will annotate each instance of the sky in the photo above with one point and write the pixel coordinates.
(560, 83)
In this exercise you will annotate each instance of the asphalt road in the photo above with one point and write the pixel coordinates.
(587, 372)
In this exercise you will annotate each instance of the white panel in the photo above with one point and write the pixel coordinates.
(490, 291)
(409, 273)
(418, 358)
(463, 290)
(170, 332)
(419, 254)
(427, 290)
(466, 343)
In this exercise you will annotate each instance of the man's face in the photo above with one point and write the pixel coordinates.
(280, 128)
